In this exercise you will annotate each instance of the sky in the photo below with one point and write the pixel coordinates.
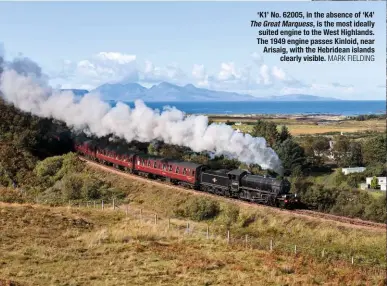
(208, 44)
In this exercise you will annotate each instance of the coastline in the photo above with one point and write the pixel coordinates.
(272, 109)
(300, 117)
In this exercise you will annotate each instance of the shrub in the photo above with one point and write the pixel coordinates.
(49, 167)
(91, 188)
(11, 196)
(230, 214)
(198, 209)
(72, 185)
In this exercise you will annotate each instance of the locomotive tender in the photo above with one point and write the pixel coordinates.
(236, 183)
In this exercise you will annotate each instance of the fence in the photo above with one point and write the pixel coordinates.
(194, 229)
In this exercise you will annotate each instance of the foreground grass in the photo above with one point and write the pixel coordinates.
(61, 246)
(311, 235)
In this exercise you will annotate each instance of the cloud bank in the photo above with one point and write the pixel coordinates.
(254, 78)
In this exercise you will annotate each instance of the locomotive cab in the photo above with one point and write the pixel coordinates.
(235, 179)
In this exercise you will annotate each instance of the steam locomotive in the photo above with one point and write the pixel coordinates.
(236, 183)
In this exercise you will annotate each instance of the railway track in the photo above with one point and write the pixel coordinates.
(354, 221)
(304, 213)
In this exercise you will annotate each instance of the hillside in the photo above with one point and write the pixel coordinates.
(72, 246)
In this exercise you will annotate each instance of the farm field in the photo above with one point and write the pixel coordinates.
(311, 125)
(81, 246)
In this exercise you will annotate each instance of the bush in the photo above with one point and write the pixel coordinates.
(72, 185)
(230, 215)
(91, 188)
(53, 169)
(11, 196)
(339, 177)
(198, 209)
(49, 167)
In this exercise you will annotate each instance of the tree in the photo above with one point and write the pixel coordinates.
(307, 144)
(374, 150)
(340, 150)
(354, 156)
(374, 183)
(284, 134)
(320, 145)
(172, 151)
(291, 154)
(152, 149)
(267, 130)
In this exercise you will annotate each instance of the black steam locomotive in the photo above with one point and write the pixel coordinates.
(244, 186)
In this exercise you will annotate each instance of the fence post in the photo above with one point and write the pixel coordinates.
(69, 204)
(102, 206)
(94, 204)
(126, 210)
(228, 236)
(187, 227)
(323, 253)
(208, 232)
(140, 214)
(352, 260)
(155, 218)
(114, 204)
(246, 237)
(295, 249)
(271, 244)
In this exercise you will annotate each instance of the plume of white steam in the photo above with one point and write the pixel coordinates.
(140, 123)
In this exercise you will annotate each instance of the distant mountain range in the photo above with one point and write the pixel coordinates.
(167, 92)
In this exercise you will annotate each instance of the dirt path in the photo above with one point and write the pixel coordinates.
(311, 215)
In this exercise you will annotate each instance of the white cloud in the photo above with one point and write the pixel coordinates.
(320, 89)
(228, 72)
(116, 57)
(278, 73)
(98, 69)
(171, 73)
(199, 74)
(264, 75)
(257, 58)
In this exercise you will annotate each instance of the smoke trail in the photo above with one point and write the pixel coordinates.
(22, 84)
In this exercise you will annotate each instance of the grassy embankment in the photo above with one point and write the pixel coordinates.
(71, 246)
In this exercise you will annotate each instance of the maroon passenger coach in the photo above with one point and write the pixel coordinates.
(177, 172)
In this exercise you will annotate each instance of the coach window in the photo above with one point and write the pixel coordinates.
(170, 168)
(164, 167)
(155, 165)
(149, 163)
(184, 171)
(177, 170)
